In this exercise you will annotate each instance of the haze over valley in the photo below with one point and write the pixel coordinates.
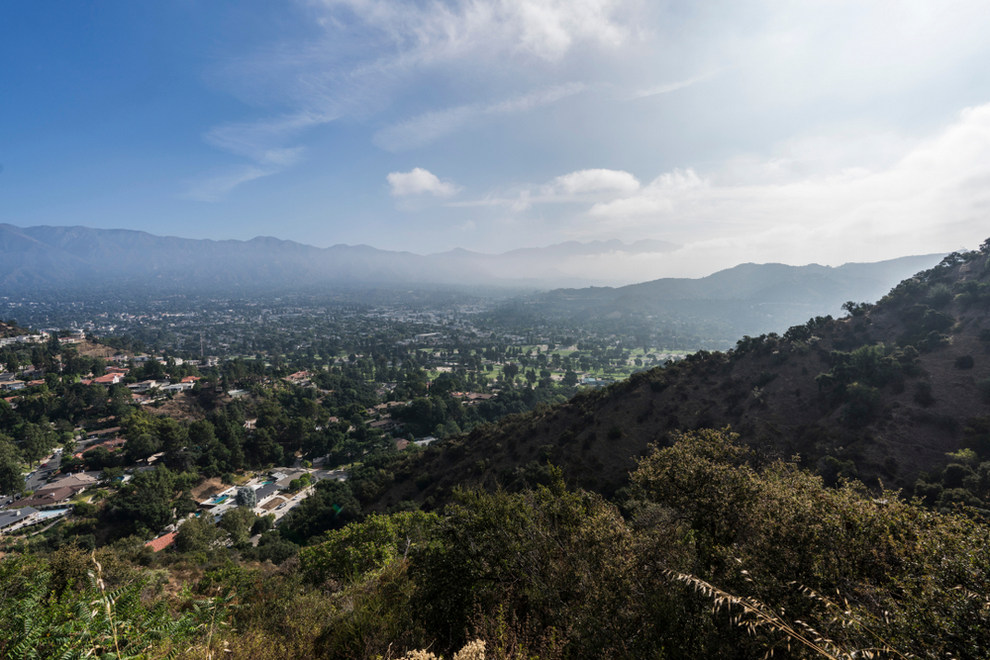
(494, 329)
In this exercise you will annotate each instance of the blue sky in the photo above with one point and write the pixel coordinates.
(824, 131)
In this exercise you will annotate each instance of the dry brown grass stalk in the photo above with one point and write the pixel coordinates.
(754, 616)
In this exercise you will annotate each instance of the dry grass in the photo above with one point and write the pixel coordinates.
(208, 489)
(755, 617)
(182, 407)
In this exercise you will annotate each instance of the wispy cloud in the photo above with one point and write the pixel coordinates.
(263, 140)
(430, 126)
(370, 50)
(263, 143)
(431, 31)
(215, 187)
(419, 181)
(669, 87)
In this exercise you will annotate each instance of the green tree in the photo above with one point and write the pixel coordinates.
(197, 534)
(35, 441)
(864, 570)
(551, 560)
(332, 505)
(144, 504)
(351, 551)
(237, 523)
(11, 478)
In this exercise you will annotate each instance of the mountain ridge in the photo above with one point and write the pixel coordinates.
(46, 257)
(884, 395)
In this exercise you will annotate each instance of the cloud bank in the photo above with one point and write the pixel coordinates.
(934, 197)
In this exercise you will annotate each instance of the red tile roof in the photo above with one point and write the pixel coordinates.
(161, 542)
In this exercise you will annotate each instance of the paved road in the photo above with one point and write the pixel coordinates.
(37, 479)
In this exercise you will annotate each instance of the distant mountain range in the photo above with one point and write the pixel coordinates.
(39, 258)
(747, 299)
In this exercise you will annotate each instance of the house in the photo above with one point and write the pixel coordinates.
(57, 492)
(297, 377)
(108, 379)
(79, 479)
(145, 385)
(24, 339)
(387, 424)
(266, 491)
(110, 445)
(47, 498)
(21, 516)
(162, 542)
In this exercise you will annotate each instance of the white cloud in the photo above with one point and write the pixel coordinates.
(934, 197)
(657, 197)
(371, 54)
(581, 186)
(418, 182)
(595, 181)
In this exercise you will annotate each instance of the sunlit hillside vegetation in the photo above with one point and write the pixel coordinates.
(822, 493)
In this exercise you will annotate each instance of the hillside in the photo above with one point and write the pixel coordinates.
(747, 299)
(11, 329)
(707, 547)
(882, 394)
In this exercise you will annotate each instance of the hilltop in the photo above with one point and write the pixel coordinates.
(747, 299)
(882, 394)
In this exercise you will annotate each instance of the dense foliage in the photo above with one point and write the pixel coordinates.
(713, 544)
(710, 556)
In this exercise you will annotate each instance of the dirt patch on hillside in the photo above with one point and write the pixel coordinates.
(89, 349)
(183, 407)
(208, 489)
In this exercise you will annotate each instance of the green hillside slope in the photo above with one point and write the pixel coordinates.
(883, 395)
